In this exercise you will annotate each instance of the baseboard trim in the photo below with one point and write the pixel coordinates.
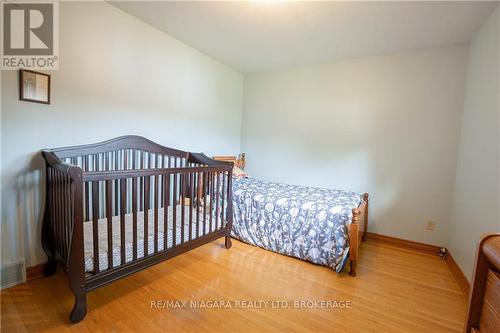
(455, 270)
(404, 243)
(458, 274)
(34, 272)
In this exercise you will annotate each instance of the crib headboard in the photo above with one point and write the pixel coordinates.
(120, 143)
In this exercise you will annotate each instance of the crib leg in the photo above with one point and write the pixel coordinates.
(352, 271)
(228, 242)
(76, 277)
(80, 308)
(48, 245)
(51, 267)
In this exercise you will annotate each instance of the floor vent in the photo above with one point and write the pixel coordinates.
(13, 274)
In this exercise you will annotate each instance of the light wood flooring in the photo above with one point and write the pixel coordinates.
(395, 291)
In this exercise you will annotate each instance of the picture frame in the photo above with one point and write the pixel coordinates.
(34, 86)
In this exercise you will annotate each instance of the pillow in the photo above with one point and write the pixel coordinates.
(239, 173)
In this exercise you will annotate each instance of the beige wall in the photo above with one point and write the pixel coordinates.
(476, 199)
(388, 125)
(117, 76)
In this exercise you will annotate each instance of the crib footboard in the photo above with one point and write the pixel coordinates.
(62, 230)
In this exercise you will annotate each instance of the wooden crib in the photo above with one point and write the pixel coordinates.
(119, 206)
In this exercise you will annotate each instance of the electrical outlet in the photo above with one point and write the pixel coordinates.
(431, 225)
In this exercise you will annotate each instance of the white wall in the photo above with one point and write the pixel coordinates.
(476, 199)
(117, 76)
(388, 125)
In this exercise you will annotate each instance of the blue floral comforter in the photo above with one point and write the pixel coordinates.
(304, 222)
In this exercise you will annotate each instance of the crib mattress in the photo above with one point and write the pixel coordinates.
(203, 228)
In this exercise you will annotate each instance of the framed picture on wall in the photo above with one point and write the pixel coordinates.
(34, 86)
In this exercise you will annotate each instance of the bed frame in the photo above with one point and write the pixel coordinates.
(120, 178)
(357, 229)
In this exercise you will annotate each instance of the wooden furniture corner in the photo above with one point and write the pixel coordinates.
(484, 300)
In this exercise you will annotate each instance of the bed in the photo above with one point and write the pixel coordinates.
(116, 207)
(322, 226)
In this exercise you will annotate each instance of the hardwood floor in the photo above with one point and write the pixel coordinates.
(395, 291)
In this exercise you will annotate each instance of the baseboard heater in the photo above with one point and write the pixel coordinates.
(13, 274)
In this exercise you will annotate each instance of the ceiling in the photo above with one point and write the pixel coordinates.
(268, 35)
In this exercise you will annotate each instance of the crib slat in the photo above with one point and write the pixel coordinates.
(109, 216)
(61, 213)
(162, 183)
(205, 180)
(191, 196)
(58, 207)
(67, 210)
(141, 185)
(61, 210)
(134, 207)
(125, 167)
(95, 226)
(87, 204)
(174, 212)
(134, 218)
(109, 210)
(198, 179)
(58, 211)
(117, 167)
(125, 159)
(165, 210)
(229, 197)
(71, 211)
(156, 213)
(105, 159)
(53, 199)
(212, 195)
(147, 180)
(134, 152)
(50, 186)
(224, 198)
(182, 195)
(123, 206)
(217, 200)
